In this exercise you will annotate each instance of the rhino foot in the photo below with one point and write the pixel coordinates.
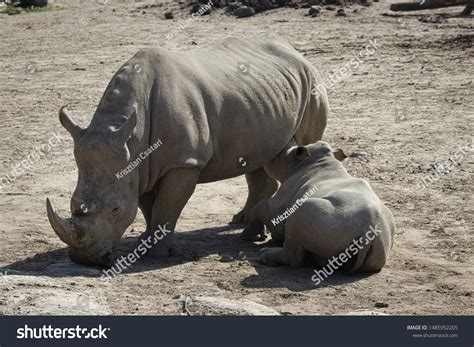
(164, 252)
(242, 217)
(252, 233)
(164, 248)
(271, 256)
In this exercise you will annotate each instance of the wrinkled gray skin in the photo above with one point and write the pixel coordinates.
(216, 117)
(342, 209)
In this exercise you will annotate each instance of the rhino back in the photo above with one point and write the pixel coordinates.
(216, 113)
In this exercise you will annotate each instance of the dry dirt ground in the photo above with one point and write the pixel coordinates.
(409, 105)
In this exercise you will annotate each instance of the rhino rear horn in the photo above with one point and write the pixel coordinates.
(68, 123)
(123, 133)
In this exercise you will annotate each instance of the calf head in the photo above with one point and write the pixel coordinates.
(102, 206)
(293, 156)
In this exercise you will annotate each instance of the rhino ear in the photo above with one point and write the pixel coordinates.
(339, 154)
(302, 152)
(123, 133)
(68, 123)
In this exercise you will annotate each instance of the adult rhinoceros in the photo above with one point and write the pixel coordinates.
(218, 112)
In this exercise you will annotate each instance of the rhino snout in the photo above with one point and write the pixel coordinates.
(104, 260)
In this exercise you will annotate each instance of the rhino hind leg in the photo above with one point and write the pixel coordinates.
(291, 254)
(261, 187)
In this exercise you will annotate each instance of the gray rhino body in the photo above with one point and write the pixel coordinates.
(217, 112)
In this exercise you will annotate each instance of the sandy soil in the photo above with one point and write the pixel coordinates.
(408, 106)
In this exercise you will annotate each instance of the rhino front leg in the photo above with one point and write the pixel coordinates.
(261, 187)
(145, 202)
(255, 230)
(173, 192)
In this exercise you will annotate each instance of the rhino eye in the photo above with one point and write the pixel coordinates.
(115, 210)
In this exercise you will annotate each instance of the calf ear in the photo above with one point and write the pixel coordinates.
(339, 154)
(302, 152)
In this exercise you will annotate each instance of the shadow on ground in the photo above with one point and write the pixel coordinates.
(224, 241)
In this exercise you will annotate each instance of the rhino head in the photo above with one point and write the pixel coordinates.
(102, 206)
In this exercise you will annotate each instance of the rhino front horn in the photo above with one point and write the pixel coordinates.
(61, 227)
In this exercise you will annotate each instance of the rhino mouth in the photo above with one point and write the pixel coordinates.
(103, 260)
(72, 231)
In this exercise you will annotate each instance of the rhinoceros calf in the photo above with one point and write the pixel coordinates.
(321, 209)
(170, 120)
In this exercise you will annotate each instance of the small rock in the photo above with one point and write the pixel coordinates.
(220, 3)
(330, 8)
(381, 304)
(265, 5)
(244, 11)
(340, 12)
(233, 6)
(169, 15)
(432, 19)
(226, 259)
(206, 10)
(314, 10)
(365, 2)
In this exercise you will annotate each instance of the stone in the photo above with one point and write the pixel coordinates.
(244, 11)
(314, 10)
(206, 305)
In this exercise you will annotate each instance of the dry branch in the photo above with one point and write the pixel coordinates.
(429, 5)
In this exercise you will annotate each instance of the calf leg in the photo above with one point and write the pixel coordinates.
(173, 192)
(261, 186)
(292, 253)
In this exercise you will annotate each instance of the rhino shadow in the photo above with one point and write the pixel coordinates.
(223, 241)
(296, 280)
(196, 244)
